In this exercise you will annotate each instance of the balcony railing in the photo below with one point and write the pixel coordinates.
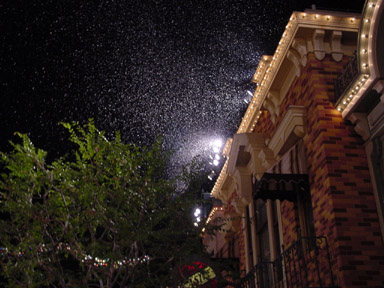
(345, 79)
(306, 263)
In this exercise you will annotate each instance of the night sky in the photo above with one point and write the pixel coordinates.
(180, 69)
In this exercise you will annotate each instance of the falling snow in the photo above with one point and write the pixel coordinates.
(180, 69)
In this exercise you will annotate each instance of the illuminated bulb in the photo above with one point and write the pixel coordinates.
(364, 50)
(351, 96)
(353, 20)
(371, 5)
(365, 35)
(365, 65)
(357, 87)
(317, 16)
(305, 14)
(344, 102)
(339, 109)
(366, 20)
(328, 17)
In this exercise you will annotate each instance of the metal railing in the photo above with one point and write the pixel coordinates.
(345, 79)
(306, 263)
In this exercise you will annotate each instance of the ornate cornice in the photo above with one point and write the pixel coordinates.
(367, 77)
(269, 66)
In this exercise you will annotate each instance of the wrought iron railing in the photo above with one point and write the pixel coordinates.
(345, 79)
(306, 263)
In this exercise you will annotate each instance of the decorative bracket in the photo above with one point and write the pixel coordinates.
(318, 44)
(301, 48)
(337, 55)
(359, 120)
(293, 56)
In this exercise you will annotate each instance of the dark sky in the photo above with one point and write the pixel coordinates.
(145, 67)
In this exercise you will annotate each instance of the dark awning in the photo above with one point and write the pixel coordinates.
(280, 186)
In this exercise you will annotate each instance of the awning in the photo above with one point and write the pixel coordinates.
(280, 186)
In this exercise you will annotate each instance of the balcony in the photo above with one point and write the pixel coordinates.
(346, 78)
(306, 263)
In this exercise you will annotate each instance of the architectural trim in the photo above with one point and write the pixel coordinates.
(318, 44)
(261, 156)
(269, 66)
(336, 53)
(238, 141)
(301, 48)
(243, 182)
(366, 51)
(361, 124)
(291, 128)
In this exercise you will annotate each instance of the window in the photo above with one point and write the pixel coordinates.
(264, 251)
(304, 204)
(278, 267)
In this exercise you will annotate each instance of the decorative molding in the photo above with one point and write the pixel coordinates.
(337, 55)
(366, 50)
(243, 180)
(379, 87)
(299, 24)
(359, 120)
(294, 58)
(261, 156)
(301, 48)
(239, 140)
(270, 106)
(318, 44)
(376, 115)
(267, 159)
(291, 128)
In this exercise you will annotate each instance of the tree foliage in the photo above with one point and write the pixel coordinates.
(104, 215)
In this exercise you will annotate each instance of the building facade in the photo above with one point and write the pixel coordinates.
(303, 183)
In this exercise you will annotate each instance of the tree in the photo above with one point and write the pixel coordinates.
(104, 215)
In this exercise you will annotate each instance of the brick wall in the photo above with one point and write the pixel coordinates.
(342, 196)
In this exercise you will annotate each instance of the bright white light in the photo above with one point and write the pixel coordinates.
(217, 156)
(196, 224)
(215, 162)
(250, 93)
(198, 219)
(216, 149)
(217, 143)
(197, 212)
